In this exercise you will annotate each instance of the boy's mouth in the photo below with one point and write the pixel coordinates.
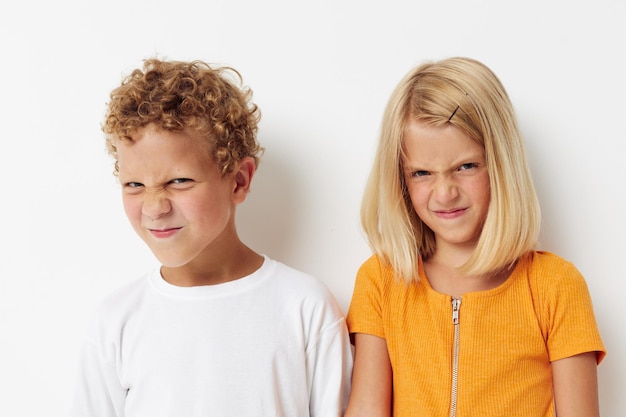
(164, 233)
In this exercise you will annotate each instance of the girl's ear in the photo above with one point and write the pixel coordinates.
(243, 178)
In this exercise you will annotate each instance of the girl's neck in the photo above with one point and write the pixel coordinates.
(444, 276)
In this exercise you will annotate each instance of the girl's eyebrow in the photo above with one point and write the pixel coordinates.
(472, 157)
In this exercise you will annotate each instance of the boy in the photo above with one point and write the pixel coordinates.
(218, 329)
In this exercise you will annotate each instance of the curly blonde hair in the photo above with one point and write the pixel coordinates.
(177, 96)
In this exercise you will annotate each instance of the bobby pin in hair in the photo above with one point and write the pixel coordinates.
(453, 113)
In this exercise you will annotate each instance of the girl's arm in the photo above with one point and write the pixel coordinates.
(576, 386)
(371, 378)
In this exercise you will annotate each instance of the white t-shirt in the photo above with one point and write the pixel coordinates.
(274, 343)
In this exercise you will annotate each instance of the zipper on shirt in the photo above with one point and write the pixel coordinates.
(456, 305)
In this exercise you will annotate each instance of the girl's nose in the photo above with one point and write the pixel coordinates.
(446, 190)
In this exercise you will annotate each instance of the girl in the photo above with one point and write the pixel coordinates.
(456, 313)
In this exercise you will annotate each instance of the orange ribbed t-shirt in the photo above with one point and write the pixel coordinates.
(507, 337)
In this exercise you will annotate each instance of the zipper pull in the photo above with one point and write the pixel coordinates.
(456, 305)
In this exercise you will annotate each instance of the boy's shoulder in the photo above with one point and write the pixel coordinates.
(288, 278)
(124, 298)
(274, 276)
(273, 281)
(301, 296)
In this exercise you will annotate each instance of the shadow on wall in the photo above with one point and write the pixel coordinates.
(267, 220)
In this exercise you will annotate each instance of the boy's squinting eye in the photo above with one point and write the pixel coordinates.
(132, 187)
(180, 180)
(181, 183)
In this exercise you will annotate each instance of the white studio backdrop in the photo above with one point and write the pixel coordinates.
(321, 72)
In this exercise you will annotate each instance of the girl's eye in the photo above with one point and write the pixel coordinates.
(420, 173)
(469, 165)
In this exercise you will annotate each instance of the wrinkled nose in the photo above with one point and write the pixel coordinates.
(446, 190)
(155, 205)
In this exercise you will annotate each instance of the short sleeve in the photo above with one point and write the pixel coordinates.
(568, 310)
(365, 313)
(98, 392)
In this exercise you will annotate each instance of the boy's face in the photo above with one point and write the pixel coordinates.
(174, 197)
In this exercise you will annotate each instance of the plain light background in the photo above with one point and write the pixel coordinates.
(321, 72)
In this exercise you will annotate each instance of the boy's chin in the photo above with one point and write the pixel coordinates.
(170, 261)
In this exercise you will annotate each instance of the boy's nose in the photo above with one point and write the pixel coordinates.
(155, 205)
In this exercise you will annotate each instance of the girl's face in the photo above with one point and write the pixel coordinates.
(448, 182)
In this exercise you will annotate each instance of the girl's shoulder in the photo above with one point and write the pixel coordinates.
(544, 265)
(551, 277)
(378, 269)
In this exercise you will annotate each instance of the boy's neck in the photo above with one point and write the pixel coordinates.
(236, 264)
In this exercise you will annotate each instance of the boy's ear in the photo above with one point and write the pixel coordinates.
(243, 178)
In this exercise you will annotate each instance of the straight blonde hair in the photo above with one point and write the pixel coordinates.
(466, 93)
